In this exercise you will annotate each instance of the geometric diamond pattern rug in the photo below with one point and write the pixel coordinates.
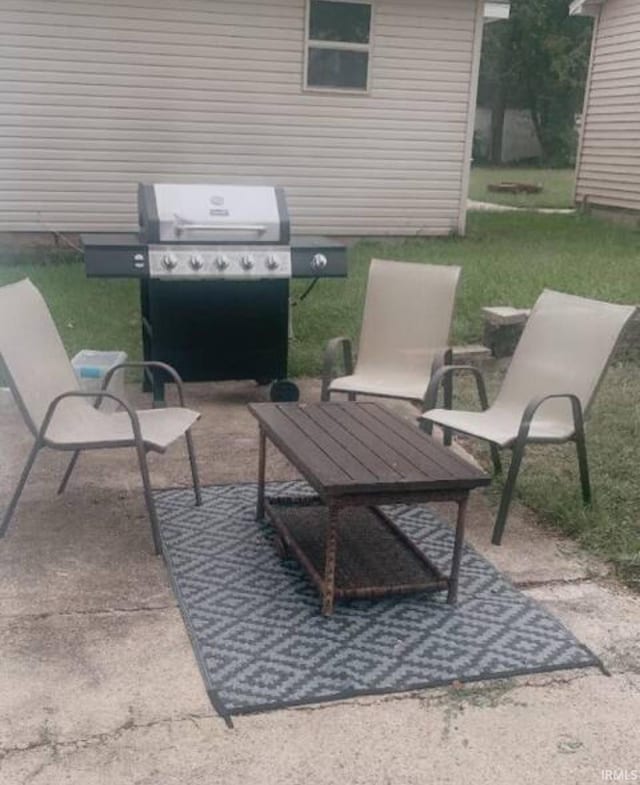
(261, 642)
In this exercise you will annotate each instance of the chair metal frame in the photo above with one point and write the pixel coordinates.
(404, 335)
(522, 439)
(139, 445)
(563, 355)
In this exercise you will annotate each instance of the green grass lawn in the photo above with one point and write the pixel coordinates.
(507, 259)
(557, 186)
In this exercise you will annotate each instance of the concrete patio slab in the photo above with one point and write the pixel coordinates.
(98, 682)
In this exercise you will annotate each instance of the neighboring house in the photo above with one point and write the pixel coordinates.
(608, 168)
(362, 109)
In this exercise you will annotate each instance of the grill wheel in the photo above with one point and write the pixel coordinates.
(284, 391)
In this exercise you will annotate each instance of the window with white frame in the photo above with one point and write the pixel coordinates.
(338, 44)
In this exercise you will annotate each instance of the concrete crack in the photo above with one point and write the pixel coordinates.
(89, 612)
(536, 584)
(557, 681)
(98, 738)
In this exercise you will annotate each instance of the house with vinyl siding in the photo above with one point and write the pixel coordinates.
(608, 166)
(362, 109)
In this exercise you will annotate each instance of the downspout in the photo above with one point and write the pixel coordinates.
(474, 74)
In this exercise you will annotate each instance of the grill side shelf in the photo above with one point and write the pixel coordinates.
(115, 256)
(304, 248)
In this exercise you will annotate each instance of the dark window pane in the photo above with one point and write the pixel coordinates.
(339, 21)
(337, 68)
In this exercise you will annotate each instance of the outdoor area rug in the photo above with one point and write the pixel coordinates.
(261, 642)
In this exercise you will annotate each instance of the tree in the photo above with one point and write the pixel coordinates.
(537, 60)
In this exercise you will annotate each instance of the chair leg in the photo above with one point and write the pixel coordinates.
(148, 496)
(351, 396)
(194, 468)
(507, 494)
(69, 471)
(495, 458)
(19, 488)
(583, 464)
(426, 426)
(448, 404)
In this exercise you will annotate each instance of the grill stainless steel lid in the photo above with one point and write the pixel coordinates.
(215, 231)
(196, 213)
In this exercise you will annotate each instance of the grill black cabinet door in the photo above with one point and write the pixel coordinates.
(216, 330)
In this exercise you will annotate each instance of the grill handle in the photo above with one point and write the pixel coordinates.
(185, 228)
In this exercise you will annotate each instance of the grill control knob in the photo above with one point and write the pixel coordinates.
(170, 261)
(221, 262)
(196, 262)
(319, 262)
(272, 262)
(248, 262)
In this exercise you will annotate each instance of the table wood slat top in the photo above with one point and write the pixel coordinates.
(362, 447)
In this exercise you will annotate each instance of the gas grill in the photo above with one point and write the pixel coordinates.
(214, 263)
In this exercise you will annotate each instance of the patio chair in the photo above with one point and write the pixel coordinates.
(63, 417)
(404, 335)
(551, 382)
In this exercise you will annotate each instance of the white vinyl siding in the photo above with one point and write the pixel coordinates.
(609, 161)
(97, 95)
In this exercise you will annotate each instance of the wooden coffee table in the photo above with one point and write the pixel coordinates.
(360, 456)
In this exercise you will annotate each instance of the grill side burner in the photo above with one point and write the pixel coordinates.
(214, 263)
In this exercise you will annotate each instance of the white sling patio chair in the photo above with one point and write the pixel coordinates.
(551, 382)
(63, 417)
(404, 335)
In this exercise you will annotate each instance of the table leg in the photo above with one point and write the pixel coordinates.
(330, 562)
(262, 466)
(452, 596)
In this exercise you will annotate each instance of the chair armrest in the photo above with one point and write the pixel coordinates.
(534, 404)
(443, 358)
(447, 371)
(153, 364)
(133, 416)
(330, 361)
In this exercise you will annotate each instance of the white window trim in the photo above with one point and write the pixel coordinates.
(343, 45)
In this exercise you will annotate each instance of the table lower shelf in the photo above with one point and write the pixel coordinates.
(374, 557)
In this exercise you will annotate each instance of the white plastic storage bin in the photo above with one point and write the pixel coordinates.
(91, 367)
